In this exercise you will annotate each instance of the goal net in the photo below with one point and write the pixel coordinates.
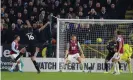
(92, 34)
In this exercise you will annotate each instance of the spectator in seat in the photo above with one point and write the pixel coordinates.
(12, 16)
(25, 15)
(7, 20)
(57, 6)
(20, 6)
(2, 12)
(30, 8)
(80, 8)
(32, 20)
(19, 24)
(85, 9)
(42, 16)
(19, 16)
(15, 8)
(5, 15)
(90, 5)
(11, 33)
(76, 8)
(35, 13)
(103, 13)
(4, 30)
(108, 5)
(71, 10)
(69, 16)
(98, 7)
(80, 14)
(62, 13)
(93, 14)
(9, 5)
(112, 12)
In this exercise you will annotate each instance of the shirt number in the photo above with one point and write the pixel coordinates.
(73, 48)
(30, 36)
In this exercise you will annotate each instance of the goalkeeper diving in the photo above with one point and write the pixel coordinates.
(127, 56)
(74, 51)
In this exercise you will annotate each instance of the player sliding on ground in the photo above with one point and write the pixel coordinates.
(119, 52)
(14, 53)
(73, 52)
(32, 41)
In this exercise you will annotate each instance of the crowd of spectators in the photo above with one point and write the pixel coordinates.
(14, 14)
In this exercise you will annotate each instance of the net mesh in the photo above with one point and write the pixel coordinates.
(93, 35)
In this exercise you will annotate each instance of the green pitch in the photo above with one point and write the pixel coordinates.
(63, 76)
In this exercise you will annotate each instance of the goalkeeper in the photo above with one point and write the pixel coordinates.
(72, 52)
(127, 56)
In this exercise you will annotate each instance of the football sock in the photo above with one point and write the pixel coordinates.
(114, 64)
(19, 66)
(130, 67)
(22, 64)
(13, 66)
(36, 66)
(119, 65)
(106, 66)
(20, 54)
(82, 66)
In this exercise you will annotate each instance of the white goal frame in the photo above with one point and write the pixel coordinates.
(111, 21)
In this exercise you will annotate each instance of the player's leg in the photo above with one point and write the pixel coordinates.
(13, 56)
(107, 59)
(129, 65)
(119, 66)
(35, 63)
(32, 50)
(106, 66)
(66, 62)
(22, 51)
(19, 63)
(79, 59)
(22, 64)
(115, 60)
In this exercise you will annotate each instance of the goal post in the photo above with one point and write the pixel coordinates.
(93, 35)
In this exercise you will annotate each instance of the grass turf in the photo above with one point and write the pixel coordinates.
(63, 76)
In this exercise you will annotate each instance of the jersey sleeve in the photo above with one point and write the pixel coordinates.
(79, 45)
(119, 39)
(13, 47)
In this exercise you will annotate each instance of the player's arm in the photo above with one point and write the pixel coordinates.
(81, 51)
(67, 50)
(130, 52)
(13, 47)
(120, 44)
(40, 29)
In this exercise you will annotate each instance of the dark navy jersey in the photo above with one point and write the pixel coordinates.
(111, 46)
(31, 36)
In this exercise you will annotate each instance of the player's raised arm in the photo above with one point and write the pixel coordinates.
(40, 29)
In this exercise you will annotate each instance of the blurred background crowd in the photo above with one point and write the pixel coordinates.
(14, 14)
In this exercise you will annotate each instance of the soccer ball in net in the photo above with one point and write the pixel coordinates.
(99, 40)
